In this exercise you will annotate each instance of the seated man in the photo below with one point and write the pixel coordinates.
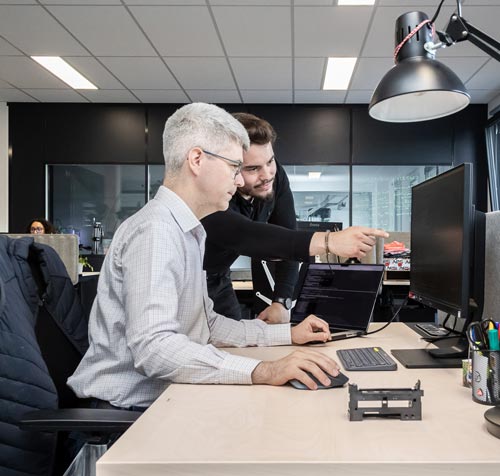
(152, 322)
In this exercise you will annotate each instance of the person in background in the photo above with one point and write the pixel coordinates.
(152, 322)
(260, 223)
(40, 226)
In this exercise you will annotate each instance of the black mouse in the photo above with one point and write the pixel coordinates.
(337, 381)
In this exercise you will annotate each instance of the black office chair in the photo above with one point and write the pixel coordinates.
(61, 354)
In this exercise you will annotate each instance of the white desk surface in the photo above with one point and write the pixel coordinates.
(262, 430)
(248, 285)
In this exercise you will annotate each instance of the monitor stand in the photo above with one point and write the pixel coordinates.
(422, 359)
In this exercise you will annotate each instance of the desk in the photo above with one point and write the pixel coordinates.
(276, 431)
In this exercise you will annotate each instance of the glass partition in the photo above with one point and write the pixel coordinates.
(80, 193)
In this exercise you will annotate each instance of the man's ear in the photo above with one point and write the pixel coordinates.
(194, 158)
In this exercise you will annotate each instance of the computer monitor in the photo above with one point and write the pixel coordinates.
(447, 250)
(319, 225)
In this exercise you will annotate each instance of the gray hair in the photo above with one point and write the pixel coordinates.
(199, 125)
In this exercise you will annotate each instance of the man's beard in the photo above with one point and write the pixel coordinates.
(267, 198)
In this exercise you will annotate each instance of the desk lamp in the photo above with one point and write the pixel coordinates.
(418, 87)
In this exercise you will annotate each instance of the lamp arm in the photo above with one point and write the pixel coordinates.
(459, 29)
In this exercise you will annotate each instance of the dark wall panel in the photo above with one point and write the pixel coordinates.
(42, 134)
(309, 134)
(91, 133)
(470, 146)
(419, 143)
(26, 165)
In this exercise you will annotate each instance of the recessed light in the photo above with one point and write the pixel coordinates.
(58, 67)
(314, 175)
(338, 73)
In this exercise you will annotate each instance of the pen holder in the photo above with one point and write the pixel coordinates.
(486, 377)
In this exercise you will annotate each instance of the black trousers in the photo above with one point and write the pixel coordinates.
(220, 290)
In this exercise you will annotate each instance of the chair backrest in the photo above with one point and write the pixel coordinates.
(66, 247)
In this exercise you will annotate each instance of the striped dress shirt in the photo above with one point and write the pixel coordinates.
(152, 322)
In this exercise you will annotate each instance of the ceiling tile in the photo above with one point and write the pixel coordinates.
(326, 97)
(180, 31)
(330, 31)
(165, 2)
(23, 72)
(94, 72)
(4, 85)
(215, 96)
(322, 3)
(202, 73)
(251, 2)
(239, 37)
(481, 96)
(130, 71)
(105, 95)
(161, 96)
(369, 71)
(262, 73)
(35, 32)
(7, 49)
(359, 97)
(81, 2)
(92, 26)
(55, 95)
(309, 72)
(416, 4)
(267, 97)
(487, 77)
(14, 95)
(464, 68)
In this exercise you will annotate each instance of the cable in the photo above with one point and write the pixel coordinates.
(438, 10)
(392, 318)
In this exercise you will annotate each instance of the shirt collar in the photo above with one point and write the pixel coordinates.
(182, 214)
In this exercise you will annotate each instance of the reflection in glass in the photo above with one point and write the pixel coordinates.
(382, 194)
(320, 192)
(155, 177)
(108, 193)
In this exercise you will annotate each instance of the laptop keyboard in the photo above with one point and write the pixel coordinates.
(366, 358)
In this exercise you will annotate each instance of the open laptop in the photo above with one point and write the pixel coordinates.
(343, 295)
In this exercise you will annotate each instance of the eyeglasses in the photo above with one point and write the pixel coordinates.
(237, 164)
(37, 229)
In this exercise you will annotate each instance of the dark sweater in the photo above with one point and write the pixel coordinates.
(259, 229)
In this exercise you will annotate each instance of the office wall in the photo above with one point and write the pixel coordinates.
(4, 168)
(41, 134)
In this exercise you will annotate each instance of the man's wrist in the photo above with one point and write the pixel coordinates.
(261, 373)
(285, 302)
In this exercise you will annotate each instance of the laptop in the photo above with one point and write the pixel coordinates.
(343, 295)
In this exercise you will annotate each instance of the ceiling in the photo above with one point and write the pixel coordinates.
(222, 51)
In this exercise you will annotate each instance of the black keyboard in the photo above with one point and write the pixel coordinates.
(367, 358)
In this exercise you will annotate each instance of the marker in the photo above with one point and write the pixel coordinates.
(493, 338)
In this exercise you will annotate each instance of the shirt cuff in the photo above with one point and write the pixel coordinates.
(237, 370)
(277, 334)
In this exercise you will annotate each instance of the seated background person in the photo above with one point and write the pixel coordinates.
(152, 322)
(40, 226)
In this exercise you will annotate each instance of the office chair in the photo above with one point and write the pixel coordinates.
(61, 355)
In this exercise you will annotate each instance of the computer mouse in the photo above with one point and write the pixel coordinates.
(337, 381)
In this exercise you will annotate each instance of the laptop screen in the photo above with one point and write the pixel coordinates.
(342, 295)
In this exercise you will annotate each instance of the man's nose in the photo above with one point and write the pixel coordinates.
(238, 180)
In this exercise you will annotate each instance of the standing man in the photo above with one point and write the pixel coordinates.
(152, 322)
(260, 223)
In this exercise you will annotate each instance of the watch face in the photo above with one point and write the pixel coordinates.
(288, 303)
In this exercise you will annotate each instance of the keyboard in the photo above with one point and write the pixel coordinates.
(366, 358)
(432, 329)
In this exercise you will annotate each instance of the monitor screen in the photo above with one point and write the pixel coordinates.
(319, 225)
(442, 224)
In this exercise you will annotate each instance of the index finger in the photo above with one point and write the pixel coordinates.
(376, 232)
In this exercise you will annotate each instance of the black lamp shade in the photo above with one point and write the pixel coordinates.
(418, 87)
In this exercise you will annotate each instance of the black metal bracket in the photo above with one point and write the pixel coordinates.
(413, 410)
